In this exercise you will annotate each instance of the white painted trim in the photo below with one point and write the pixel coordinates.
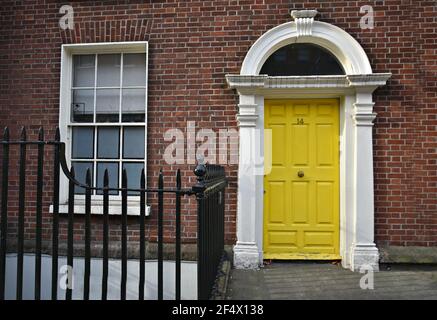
(67, 52)
(133, 208)
(262, 84)
(354, 91)
(343, 46)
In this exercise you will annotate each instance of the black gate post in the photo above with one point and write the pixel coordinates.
(199, 189)
(211, 182)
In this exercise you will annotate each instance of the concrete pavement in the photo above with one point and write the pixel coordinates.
(312, 280)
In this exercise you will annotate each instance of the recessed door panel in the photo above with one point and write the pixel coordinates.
(300, 197)
(299, 136)
(284, 238)
(319, 239)
(324, 147)
(278, 150)
(325, 207)
(277, 202)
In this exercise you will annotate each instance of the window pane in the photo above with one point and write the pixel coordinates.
(83, 106)
(108, 143)
(133, 143)
(301, 59)
(113, 175)
(84, 70)
(133, 173)
(107, 105)
(83, 143)
(133, 105)
(108, 70)
(80, 174)
(134, 69)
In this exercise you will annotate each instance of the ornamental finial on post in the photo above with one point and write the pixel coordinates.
(304, 21)
(200, 172)
(200, 169)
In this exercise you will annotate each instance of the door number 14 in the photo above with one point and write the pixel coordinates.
(300, 121)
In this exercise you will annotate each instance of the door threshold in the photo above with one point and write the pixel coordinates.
(301, 256)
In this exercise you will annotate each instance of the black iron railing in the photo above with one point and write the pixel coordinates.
(209, 192)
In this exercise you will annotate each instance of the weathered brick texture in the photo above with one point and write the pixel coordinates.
(193, 44)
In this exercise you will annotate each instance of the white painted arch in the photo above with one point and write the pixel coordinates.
(338, 42)
(354, 91)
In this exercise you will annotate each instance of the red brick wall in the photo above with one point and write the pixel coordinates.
(193, 44)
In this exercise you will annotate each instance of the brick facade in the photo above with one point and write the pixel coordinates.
(192, 45)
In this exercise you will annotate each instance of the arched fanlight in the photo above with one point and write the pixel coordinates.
(301, 59)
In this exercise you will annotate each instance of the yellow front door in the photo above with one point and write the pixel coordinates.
(301, 192)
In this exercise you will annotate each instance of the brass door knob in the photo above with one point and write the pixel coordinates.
(300, 174)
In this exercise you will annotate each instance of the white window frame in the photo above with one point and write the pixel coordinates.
(65, 124)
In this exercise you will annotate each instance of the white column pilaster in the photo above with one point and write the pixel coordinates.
(364, 252)
(246, 251)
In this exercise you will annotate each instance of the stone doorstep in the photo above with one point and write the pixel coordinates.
(397, 254)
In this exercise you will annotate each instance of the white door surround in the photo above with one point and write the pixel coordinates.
(354, 90)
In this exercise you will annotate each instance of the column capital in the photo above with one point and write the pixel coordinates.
(247, 115)
(364, 114)
(364, 119)
(368, 82)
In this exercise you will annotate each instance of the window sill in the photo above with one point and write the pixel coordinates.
(133, 209)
